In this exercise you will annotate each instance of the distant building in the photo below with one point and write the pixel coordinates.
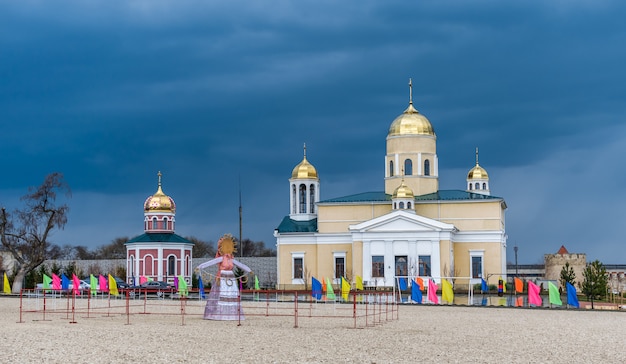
(554, 263)
(411, 228)
(159, 253)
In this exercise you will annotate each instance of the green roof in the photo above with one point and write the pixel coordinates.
(452, 195)
(292, 226)
(443, 195)
(362, 197)
(159, 238)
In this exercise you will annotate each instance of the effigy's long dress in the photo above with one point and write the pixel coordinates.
(223, 300)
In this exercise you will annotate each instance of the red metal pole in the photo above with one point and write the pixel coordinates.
(21, 308)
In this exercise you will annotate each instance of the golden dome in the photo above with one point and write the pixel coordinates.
(411, 122)
(304, 169)
(403, 191)
(159, 202)
(477, 172)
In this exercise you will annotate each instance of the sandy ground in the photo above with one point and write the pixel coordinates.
(421, 334)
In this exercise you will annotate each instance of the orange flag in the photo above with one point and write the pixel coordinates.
(324, 285)
(421, 283)
(519, 285)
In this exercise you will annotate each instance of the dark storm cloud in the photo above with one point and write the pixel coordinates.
(215, 94)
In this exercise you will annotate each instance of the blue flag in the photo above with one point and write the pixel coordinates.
(402, 284)
(483, 285)
(572, 299)
(201, 288)
(416, 292)
(65, 282)
(316, 289)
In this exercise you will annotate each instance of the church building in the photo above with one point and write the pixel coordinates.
(409, 229)
(159, 254)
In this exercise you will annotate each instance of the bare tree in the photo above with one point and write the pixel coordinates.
(115, 250)
(202, 249)
(25, 232)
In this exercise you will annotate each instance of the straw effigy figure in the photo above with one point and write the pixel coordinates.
(223, 299)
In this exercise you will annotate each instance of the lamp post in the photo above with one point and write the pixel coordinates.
(515, 250)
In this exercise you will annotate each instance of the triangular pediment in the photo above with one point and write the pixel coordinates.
(401, 221)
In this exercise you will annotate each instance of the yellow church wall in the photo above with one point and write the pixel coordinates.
(444, 252)
(338, 218)
(465, 216)
(491, 261)
(425, 144)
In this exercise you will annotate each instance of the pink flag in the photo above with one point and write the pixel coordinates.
(103, 283)
(142, 279)
(432, 291)
(76, 283)
(56, 281)
(533, 294)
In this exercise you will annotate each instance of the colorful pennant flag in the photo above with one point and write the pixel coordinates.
(142, 280)
(519, 302)
(345, 289)
(533, 294)
(56, 281)
(402, 284)
(416, 292)
(93, 285)
(330, 294)
(432, 291)
(6, 287)
(554, 294)
(316, 289)
(103, 284)
(256, 282)
(420, 281)
(182, 286)
(359, 283)
(76, 283)
(175, 283)
(113, 286)
(324, 285)
(65, 282)
(47, 281)
(201, 287)
(447, 294)
(519, 285)
(483, 285)
(572, 299)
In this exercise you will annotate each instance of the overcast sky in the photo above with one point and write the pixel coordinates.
(213, 92)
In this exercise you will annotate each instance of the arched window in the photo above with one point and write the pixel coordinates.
(408, 167)
(154, 223)
(171, 266)
(426, 167)
(390, 168)
(165, 223)
(302, 199)
(477, 186)
(293, 199)
(484, 186)
(401, 204)
(312, 198)
(408, 205)
(470, 186)
(394, 206)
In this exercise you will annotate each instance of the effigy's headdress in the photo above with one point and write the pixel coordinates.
(226, 244)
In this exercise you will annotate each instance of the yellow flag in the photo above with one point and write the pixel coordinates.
(446, 291)
(7, 287)
(345, 289)
(113, 286)
(359, 283)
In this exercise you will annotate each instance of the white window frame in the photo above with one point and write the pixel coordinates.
(345, 265)
(477, 253)
(294, 256)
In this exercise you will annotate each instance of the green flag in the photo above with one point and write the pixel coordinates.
(555, 296)
(182, 286)
(93, 284)
(330, 294)
(256, 282)
(46, 281)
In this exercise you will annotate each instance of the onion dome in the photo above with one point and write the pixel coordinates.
(159, 202)
(477, 172)
(403, 191)
(304, 169)
(411, 122)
